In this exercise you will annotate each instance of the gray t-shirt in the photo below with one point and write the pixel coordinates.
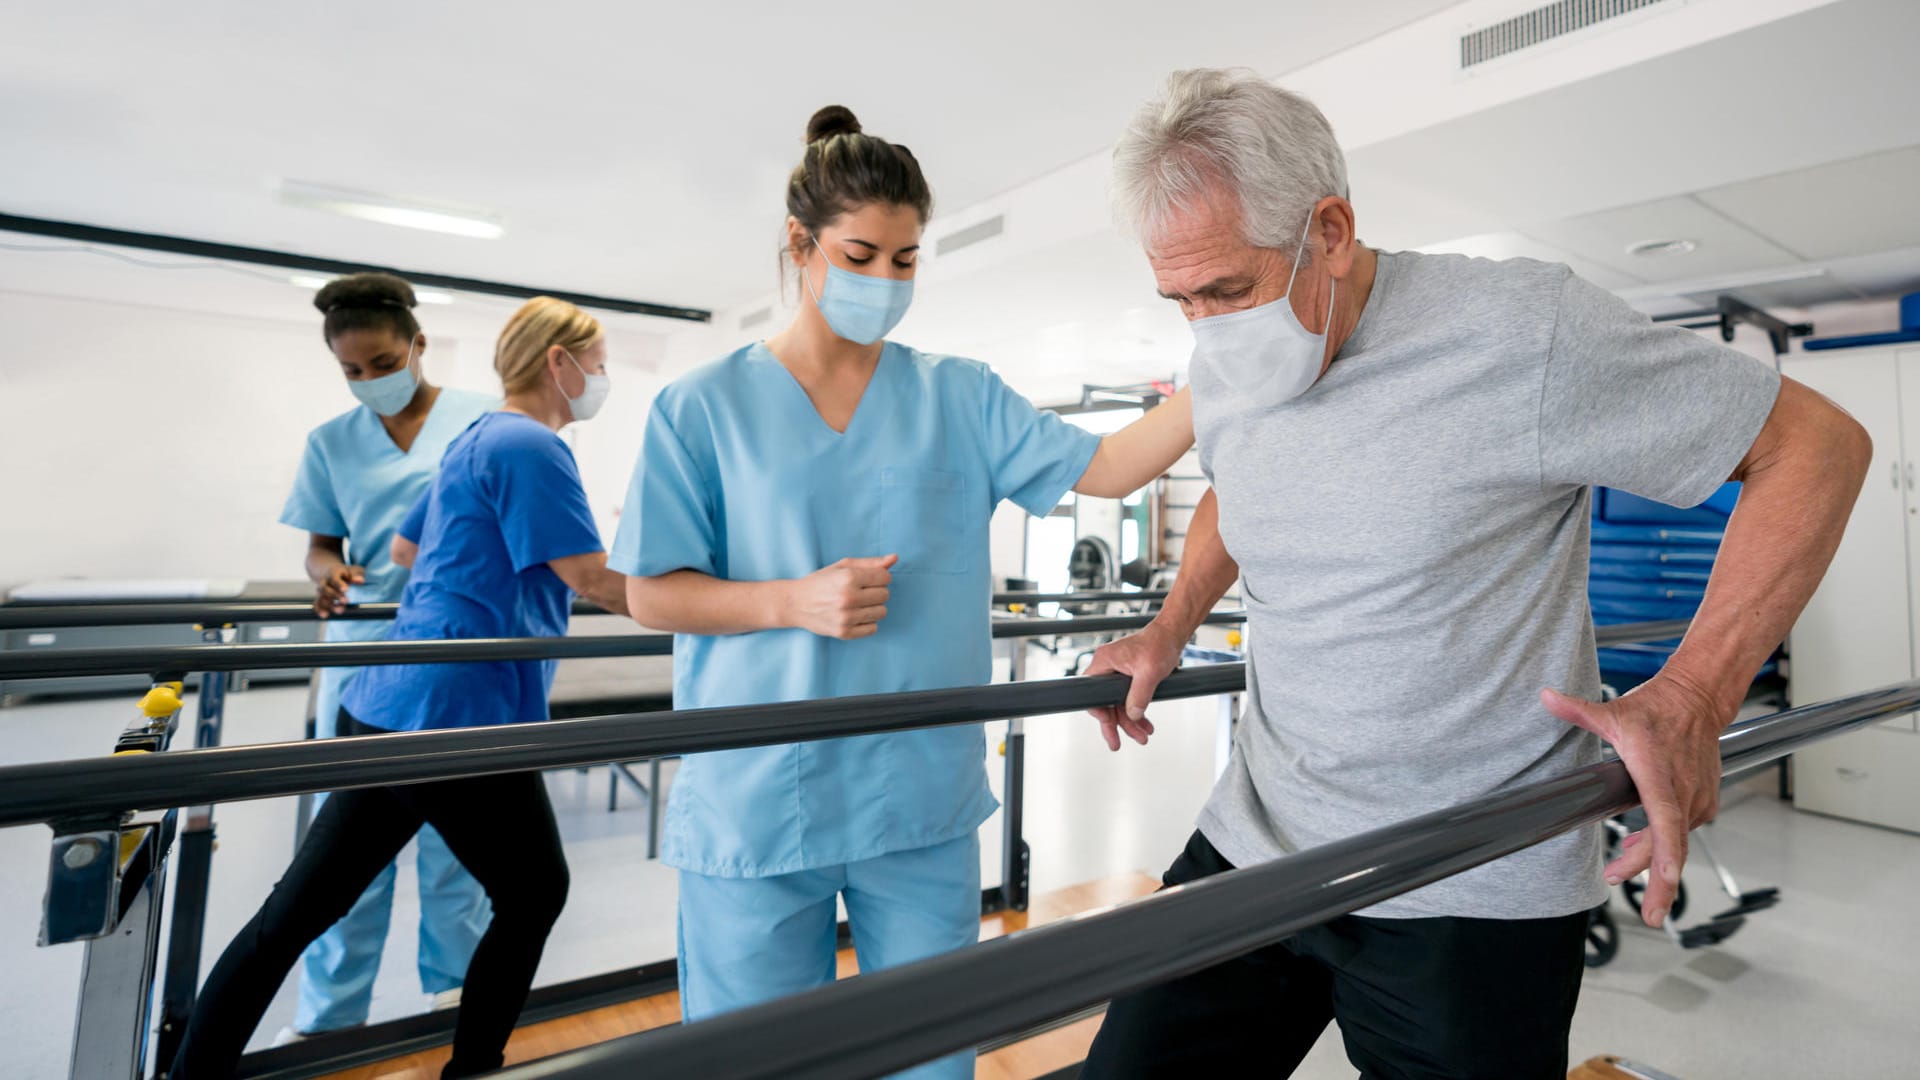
(1412, 534)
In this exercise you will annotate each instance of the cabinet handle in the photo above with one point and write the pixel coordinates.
(1909, 476)
(1896, 475)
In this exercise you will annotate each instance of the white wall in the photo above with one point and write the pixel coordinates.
(149, 441)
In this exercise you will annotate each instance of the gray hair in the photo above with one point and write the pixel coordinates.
(1231, 130)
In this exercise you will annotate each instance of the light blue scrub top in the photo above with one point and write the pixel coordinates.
(355, 483)
(740, 478)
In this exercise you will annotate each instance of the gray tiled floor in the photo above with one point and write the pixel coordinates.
(1823, 985)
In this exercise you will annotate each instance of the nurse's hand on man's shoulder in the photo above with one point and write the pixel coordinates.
(1149, 656)
(846, 600)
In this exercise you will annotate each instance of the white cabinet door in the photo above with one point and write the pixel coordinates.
(1855, 633)
(1908, 363)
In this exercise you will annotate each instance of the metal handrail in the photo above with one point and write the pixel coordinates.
(1631, 633)
(182, 659)
(1002, 599)
(106, 787)
(74, 615)
(889, 1020)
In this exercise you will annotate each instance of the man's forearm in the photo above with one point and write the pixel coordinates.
(1206, 573)
(1794, 504)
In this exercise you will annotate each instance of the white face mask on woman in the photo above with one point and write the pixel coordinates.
(1264, 353)
(592, 397)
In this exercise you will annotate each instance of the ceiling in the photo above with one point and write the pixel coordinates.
(1785, 152)
(634, 150)
(644, 159)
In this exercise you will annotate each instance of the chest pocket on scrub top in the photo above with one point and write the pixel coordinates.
(923, 518)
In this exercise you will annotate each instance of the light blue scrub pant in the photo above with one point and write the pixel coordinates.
(748, 940)
(338, 969)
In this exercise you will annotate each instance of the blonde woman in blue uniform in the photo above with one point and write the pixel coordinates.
(809, 514)
(362, 471)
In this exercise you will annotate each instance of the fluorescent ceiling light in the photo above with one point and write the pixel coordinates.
(459, 221)
(315, 281)
(1647, 248)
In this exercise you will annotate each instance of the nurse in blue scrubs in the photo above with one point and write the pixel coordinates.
(499, 547)
(363, 470)
(809, 514)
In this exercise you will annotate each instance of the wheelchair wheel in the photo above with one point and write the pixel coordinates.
(1603, 937)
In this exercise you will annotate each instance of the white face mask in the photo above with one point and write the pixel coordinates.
(592, 397)
(1264, 354)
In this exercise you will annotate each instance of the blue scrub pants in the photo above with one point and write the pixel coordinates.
(337, 971)
(748, 940)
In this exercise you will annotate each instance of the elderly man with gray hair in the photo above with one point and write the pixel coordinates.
(1402, 449)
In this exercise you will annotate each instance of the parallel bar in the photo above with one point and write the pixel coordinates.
(888, 1020)
(60, 663)
(56, 663)
(237, 612)
(1005, 598)
(1632, 633)
(1094, 624)
(47, 791)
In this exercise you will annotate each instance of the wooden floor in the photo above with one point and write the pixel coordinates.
(1034, 1057)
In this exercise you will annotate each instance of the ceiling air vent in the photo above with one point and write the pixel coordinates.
(754, 318)
(971, 235)
(1540, 24)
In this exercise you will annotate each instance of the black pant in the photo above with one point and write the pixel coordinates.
(501, 828)
(1415, 998)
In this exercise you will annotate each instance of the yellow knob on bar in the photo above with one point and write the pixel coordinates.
(1016, 608)
(160, 702)
(118, 753)
(1233, 639)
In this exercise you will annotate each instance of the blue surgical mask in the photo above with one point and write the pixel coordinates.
(388, 394)
(1264, 354)
(857, 307)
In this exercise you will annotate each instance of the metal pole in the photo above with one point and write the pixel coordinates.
(193, 882)
(1016, 858)
(1227, 719)
(116, 991)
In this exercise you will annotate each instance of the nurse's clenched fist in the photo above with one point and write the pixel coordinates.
(846, 600)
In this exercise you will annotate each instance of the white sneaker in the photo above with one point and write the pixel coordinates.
(288, 1036)
(446, 999)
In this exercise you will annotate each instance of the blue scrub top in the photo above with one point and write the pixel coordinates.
(507, 502)
(356, 484)
(740, 478)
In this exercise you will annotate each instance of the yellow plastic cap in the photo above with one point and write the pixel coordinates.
(1233, 639)
(1016, 608)
(161, 702)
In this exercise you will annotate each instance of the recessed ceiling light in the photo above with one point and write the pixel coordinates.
(1663, 247)
(458, 221)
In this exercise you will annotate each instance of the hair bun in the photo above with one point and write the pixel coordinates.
(368, 290)
(830, 121)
